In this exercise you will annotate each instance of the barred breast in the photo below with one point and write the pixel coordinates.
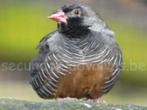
(68, 67)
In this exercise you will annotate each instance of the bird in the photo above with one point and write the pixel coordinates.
(80, 59)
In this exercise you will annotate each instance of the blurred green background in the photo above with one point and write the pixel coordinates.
(24, 22)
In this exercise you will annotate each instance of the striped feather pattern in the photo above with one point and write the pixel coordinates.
(62, 53)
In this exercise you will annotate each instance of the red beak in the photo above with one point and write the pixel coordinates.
(59, 17)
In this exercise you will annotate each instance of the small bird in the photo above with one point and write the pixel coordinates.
(81, 59)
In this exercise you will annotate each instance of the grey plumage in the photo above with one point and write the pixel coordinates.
(58, 53)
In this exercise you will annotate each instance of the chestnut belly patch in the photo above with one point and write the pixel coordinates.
(86, 80)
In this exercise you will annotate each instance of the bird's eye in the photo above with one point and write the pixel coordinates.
(77, 12)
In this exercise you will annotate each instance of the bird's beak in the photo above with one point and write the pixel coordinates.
(59, 17)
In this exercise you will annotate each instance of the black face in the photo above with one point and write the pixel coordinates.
(74, 14)
(75, 19)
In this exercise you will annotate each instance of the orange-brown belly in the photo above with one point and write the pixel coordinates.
(84, 81)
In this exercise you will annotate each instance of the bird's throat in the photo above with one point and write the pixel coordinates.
(73, 31)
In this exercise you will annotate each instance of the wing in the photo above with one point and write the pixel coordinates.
(114, 58)
(43, 69)
(43, 48)
(117, 66)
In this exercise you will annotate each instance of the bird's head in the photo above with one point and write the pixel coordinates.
(74, 18)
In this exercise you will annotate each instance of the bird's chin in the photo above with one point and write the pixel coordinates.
(63, 23)
(62, 27)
